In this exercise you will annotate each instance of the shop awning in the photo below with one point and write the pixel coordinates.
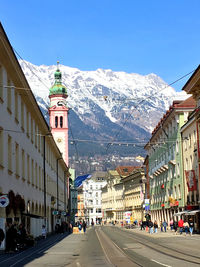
(180, 213)
(192, 212)
(32, 215)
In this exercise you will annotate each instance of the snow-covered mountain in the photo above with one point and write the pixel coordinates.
(132, 107)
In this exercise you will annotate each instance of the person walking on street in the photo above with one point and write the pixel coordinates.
(2, 236)
(150, 227)
(186, 227)
(165, 226)
(80, 226)
(155, 225)
(84, 226)
(161, 226)
(175, 226)
(191, 226)
(44, 232)
(171, 223)
(180, 225)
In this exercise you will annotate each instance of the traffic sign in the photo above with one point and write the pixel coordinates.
(4, 201)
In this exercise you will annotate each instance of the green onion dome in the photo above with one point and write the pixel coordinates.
(58, 88)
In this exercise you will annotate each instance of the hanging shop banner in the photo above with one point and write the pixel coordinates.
(191, 180)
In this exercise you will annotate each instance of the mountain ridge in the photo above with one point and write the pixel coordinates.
(105, 105)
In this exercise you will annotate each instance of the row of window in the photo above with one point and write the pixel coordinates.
(94, 210)
(23, 117)
(190, 141)
(58, 122)
(176, 193)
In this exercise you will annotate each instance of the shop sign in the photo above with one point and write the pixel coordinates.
(4, 201)
(191, 180)
(55, 212)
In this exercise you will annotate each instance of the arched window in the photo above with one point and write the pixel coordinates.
(61, 122)
(56, 122)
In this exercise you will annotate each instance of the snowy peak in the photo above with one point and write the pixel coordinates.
(133, 100)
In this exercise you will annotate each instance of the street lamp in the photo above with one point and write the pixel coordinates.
(57, 182)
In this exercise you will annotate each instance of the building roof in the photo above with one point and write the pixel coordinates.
(192, 81)
(125, 170)
(177, 104)
(188, 103)
(58, 88)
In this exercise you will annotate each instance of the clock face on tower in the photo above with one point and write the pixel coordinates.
(59, 140)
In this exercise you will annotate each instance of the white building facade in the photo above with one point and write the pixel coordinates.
(92, 191)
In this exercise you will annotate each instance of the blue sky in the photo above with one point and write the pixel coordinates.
(146, 36)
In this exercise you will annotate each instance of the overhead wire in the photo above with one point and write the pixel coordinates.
(168, 85)
(135, 107)
(120, 143)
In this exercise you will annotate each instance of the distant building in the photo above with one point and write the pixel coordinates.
(134, 194)
(123, 193)
(92, 189)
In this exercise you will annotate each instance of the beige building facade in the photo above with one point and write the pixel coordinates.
(134, 193)
(190, 161)
(32, 170)
(124, 192)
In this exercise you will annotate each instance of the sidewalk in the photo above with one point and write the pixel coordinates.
(160, 234)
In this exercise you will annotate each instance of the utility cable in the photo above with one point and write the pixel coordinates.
(135, 107)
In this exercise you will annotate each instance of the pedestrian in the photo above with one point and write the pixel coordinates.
(84, 226)
(2, 236)
(11, 237)
(186, 227)
(155, 225)
(21, 235)
(165, 226)
(191, 226)
(80, 226)
(175, 226)
(92, 223)
(44, 232)
(180, 225)
(161, 226)
(171, 223)
(142, 225)
(150, 227)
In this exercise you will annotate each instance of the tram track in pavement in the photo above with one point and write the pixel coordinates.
(151, 244)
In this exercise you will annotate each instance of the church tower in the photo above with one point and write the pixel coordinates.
(58, 114)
